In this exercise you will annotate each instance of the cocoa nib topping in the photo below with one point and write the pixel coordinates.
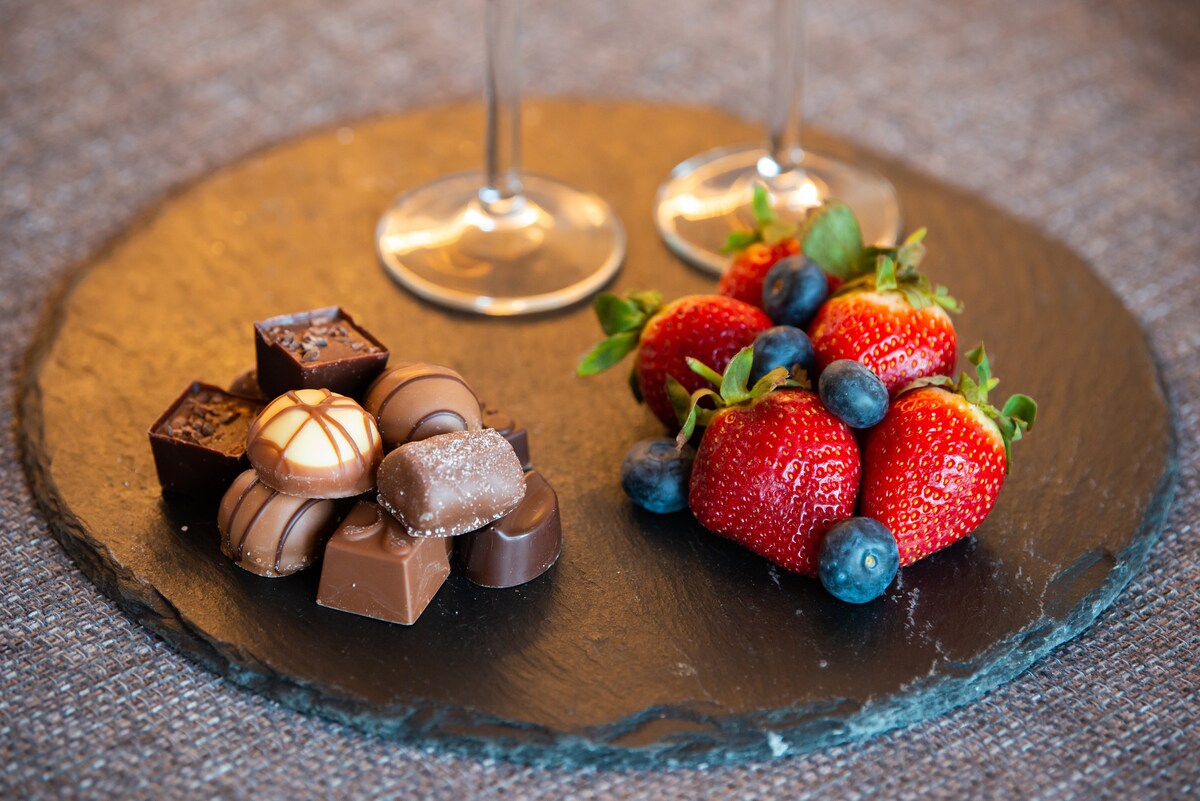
(211, 420)
(308, 340)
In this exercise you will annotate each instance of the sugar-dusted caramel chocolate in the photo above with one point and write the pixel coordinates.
(270, 533)
(374, 568)
(316, 444)
(518, 547)
(322, 348)
(452, 483)
(415, 401)
(512, 431)
(199, 442)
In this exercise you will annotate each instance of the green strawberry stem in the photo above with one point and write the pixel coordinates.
(733, 391)
(622, 319)
(1016, 417)
(898, 270)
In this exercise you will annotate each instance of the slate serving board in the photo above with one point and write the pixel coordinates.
(651, 642)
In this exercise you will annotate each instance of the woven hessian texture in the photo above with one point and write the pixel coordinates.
(1081, 116)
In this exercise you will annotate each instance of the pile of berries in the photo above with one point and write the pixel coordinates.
(831, 438)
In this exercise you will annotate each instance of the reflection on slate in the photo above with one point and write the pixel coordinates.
(651, 641)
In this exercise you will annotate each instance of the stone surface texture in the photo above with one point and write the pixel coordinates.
(1079, 116)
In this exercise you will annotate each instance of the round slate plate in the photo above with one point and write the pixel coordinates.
(651, 641)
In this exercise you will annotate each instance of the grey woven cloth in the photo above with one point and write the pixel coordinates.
(1083, 116)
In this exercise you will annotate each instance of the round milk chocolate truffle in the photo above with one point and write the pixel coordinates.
(415, 401)
(270, 533)
(315, 444)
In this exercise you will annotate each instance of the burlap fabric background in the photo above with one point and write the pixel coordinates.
(1083, 116)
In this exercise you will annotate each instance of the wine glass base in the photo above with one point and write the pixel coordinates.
(708, 196)
(554, 246)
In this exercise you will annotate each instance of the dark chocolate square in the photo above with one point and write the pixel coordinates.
(317, 349)
(199, 442)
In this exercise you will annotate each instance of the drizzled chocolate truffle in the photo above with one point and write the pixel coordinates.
(374, 568)
(518, 547)
(415, 401)
(270, 533)
(322, 348)
(452, 483)
(199, 442)
(316, 444)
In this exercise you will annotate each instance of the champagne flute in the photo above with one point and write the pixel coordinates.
(501, 242)
(709, 195)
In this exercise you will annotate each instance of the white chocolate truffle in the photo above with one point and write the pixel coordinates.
(315, 444)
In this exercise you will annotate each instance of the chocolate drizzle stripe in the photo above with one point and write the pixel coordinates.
(421, 377)
(327, 422)
(250, 525)
(227, 541)
(287, 531)
(438, 413)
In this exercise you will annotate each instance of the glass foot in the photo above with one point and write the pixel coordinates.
(545, 249)
(709, 195)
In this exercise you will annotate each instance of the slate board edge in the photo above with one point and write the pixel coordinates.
(761, 736)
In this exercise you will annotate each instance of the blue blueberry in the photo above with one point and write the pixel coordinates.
(782, 346)
(853, 394)
(859, 558)
(794, 289)
(655, 474)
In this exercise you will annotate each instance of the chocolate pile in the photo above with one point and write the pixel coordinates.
(420, 470)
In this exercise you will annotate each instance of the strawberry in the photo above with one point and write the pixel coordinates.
(711, 328)
(774, 469)
(894, 321)
(935, 464)
(830, 236)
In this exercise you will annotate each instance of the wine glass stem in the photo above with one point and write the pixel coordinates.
(785, 103)
(502, 94)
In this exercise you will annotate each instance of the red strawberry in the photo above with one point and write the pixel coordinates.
(935, 464)
(830, 236)
(774, 470)
(711, 328)
(894, 321)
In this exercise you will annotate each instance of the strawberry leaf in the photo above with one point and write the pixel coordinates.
(761, 204)
(1022, 409)
(943, 381)
(688, 410)
(737, 373)
(681, 401)
(739, 240)
(772, 380)
(885, 274)
(704, 371)
(617, 314)
(832, 238)
(607, 353)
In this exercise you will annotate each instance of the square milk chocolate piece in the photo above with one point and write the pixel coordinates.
(317, 349)
(374, 568)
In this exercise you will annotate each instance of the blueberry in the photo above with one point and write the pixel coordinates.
(793, 290)
(655, 474)
(782, 346)
(853, 394)
(859, 558)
